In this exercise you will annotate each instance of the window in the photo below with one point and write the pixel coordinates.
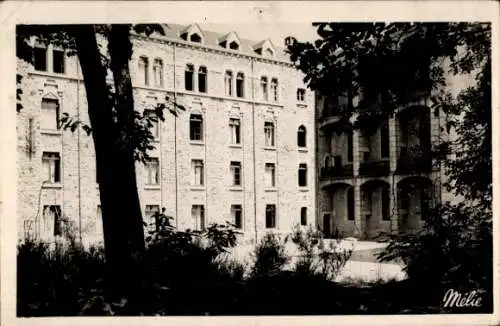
(196, 127)
(198, 177)
(301, 94)
(263, 86)
(188, 77)
(384, 140)
(198, 215)
(195, 38)
(155, 129)
(202, 79)
(301, 136)
(40, 58)
(349, 146)
(236, 173)
(58, 61)
(228, 83)
(53, 213)
(158, 72)
(234, 126)
(50, 114)
(302, 175)
(270, 216)
(152, 171)
(51, 163)
(234, 45)
(237, 217)
(270, 175)
(303, 216)
(269, 133)
(240, 84)
(151, 210)
(143, 70)
(350, 204)
(386, 214)
(274, 89)
(269, 52)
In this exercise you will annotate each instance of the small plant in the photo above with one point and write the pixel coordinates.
(270, 256)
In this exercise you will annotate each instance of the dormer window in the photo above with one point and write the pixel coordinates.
(184, 36)
(195, 38)
(234, 46)
(264, 48)
(269, 52)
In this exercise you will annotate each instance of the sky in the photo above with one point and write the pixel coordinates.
(276, 32)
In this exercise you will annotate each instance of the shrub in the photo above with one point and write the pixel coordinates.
(269, 255)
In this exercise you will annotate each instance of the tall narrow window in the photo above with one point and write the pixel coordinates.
(50, 114)
(198, 215)
(236, 173)
(58, 63)
(143, 70)
(158, 72)
(152, 171)
(198, 178)
(269, 133)
(234, 127)
(228, 83)
(196, 127)
(301, 95)
(51, 163)
(264, 87)
(271, 216)
(237, 216)
(349, 146)
(384, 140)
(274, 89)
(386, 214)
(52, 213)
(40, 58)
(302, 175)
(202, 79)
(303, 216)
(188, 77)
(301, 136)
(350, 204)
(240, 85)
(270, 175)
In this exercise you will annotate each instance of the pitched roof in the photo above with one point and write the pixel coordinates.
(210, 38)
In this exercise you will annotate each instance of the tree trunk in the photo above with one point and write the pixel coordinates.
(121, 213)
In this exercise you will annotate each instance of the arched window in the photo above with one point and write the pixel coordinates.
(143, 70)
(188, 77)
(303, 216)
(302, 175)
(196, 127)
(158, 72)
(301, 136)
(195, 38)
(202, 79)
(228, 83)
(350, 204)
(274, 89)
(264, 88)
(240, 84)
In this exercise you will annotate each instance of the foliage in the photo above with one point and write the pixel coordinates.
(270, 256)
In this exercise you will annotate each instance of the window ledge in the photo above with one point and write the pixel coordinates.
(198, 188)
(152, 187)
(269, 148)
(301, 105)
(52, 186)
(303, 150)
(235, 188)
(303, 189)
(270, 190)
(197, 142)
(235, 145)
(55, 132)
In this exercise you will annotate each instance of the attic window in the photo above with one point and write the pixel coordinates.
(269, 52)
(195, 38)
(234, 45)
(184, 36)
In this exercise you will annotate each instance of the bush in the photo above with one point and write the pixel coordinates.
(269, 255)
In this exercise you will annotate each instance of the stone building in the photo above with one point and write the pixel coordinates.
(243, 151)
